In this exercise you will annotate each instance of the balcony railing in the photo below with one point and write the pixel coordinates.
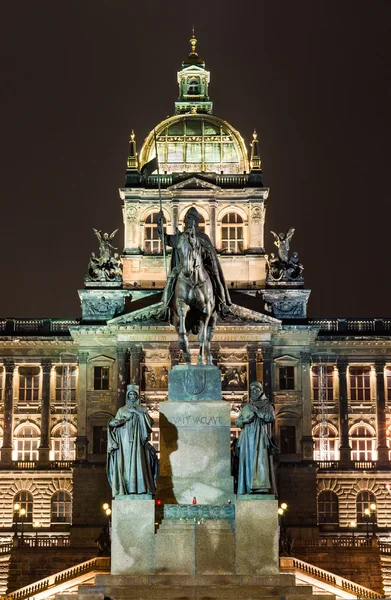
(361, 465)
(352, 326)
(31, 465)
(42, 327)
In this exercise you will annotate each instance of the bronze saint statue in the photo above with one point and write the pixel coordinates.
(132, 465)
(196, 288)
(256, 444)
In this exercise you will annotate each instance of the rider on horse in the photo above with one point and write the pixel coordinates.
(209, 257)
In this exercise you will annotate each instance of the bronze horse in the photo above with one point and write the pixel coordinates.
(194, 301)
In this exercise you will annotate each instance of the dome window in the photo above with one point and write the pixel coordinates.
(193, 87)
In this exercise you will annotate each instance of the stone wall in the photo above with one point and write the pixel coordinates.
(28, 565)
(361, 565)
(90, 490)
(296, 483)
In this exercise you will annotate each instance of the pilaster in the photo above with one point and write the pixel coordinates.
(212, 232)
(382, 448)
(252, 351)
(306, 439)
(267, 353)
(344, 449)
(134, 365)
(6, 450)
(81, 439)
(44, 448)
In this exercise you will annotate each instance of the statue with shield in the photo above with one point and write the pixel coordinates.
(196, 290)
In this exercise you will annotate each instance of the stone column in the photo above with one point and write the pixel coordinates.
(382, 448)
(252, 363)
(307, 444)
(134, 367)
(344, 449)
(44, 448)
(121, 375)
(267, 353)
(6, 450)
(212, 232)
(81, 439)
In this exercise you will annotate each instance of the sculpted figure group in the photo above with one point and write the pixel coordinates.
(107, 266)
(284, 267)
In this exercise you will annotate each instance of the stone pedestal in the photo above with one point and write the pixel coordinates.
(195, 438)
(256, 520)
(133, 537)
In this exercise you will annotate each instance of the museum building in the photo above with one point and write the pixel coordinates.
(61, 380)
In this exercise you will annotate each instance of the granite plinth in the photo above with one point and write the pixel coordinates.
(256, 535)
(195, 456)
(133, 537)
(189, 383)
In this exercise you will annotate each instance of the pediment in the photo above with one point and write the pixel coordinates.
(194, 183)
(101, 358)
(154, 315)
(286, 358)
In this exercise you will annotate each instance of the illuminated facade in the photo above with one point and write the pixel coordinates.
(62, 380)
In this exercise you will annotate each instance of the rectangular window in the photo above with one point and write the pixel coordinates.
(328, 384)
(65, 383)
(287, 378)
(101, 378)
(360, 384)
(287, 439)
(29, 384)
(388, 382)
(99, 442)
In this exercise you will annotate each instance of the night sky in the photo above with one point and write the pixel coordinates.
(312, 76)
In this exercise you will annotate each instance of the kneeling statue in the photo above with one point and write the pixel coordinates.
(132, 465)
(256, 444)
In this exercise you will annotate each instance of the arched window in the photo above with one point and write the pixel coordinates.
(363, 443)
(193, 87)
(363, 501)
(152, 241)
(63, 443)
(1, 437)
(25, 500)
(61, 507)
(326, 443)
(26, 443)
(232, 233)
(327, 507)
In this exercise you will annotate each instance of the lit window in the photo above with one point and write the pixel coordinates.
(328, 383)
(101, 378)
(388, 382)
(65, 381)
(152, 241)
(327, 507)
(286, 378)
(25, 500)
(232, 233)
(326, 444)
(28, 384)
(61, 507)
(364, 501)
(63, 443)
(26, 443)
(363, 443)
(360, 384)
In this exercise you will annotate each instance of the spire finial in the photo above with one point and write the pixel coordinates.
(255, 161)
(193, 42)
(132, 158)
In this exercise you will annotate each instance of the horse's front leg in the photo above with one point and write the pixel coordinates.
(209, 335)
(202, 339)
(183, 340)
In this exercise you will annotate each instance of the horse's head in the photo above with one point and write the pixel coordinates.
(189, 248)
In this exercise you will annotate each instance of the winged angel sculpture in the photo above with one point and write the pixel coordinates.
(106, 267)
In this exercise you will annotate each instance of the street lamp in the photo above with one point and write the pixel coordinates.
(22, 514)
(36, 525)
(353, 525)
(367, 514)
(372, 508)
(16, 514)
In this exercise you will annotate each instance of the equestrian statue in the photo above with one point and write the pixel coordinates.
(195, 291)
